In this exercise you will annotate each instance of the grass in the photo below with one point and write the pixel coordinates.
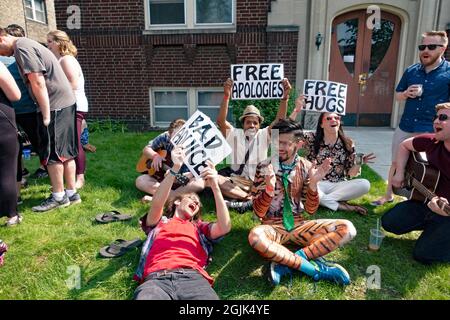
(46, 249)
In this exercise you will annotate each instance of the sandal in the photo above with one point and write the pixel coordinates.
(111, 216)
(119, 247)
(381, 201)
(354, 208)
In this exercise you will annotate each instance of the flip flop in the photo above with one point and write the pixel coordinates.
(111, 216)
(378, 203)
(119, 247)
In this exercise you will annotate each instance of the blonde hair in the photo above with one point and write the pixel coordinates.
(65, 45)
(441, 106)
(441, 34)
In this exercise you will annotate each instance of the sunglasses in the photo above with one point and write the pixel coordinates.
(429, 46)
(441, 117)
(337, 118)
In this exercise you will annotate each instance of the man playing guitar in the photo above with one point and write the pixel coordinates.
(433, 244)
(155, 161)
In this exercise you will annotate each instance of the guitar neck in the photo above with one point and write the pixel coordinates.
(427, 193)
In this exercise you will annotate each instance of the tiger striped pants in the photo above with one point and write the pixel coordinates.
(317, 237)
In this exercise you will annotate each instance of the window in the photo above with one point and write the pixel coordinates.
(163, 12)
(209, 103)
(35, 10)
(214, 11)
(170, 105)
(189, 14)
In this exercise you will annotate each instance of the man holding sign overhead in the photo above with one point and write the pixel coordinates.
(250, 144)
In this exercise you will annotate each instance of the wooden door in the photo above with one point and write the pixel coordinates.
(366, 60)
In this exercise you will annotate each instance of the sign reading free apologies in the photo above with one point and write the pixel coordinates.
(325, 96)
(257, 81)
(201, 141)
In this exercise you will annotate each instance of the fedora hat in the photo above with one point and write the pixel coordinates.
(251, 110)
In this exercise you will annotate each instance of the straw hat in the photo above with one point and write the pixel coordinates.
(251, 110)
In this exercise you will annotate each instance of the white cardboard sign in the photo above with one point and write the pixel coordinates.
(257, 81)
(325, 96)
(201, 141)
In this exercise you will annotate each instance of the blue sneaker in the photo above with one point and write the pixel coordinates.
(277, 271)
(334, 273)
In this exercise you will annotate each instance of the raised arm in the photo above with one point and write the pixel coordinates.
(39, 89)
(282, 109)
(299, 104)
(222, 122)
(223, 224)
(8, 84)
(162, 193)
(263, 198)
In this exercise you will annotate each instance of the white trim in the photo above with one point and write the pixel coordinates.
(189, 20)
(34, 10)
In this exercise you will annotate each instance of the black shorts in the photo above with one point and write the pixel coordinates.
(59, 141)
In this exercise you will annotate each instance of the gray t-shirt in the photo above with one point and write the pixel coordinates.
(31, 56)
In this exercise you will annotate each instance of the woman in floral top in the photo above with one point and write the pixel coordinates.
(329, 141)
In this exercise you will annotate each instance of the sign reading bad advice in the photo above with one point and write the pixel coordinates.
(257, 81)
(201, 141)
(325, 96)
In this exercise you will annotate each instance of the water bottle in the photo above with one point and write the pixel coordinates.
(27, 154)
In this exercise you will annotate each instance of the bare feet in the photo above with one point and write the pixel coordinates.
(80, 181)
(353, 207)
(146, 199)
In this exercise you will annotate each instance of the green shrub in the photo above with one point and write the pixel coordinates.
(268, 108)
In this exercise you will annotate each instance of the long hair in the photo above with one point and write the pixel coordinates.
(320, 135)
(65, 45)
(170, 206)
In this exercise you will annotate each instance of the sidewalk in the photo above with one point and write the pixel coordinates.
(376, 140)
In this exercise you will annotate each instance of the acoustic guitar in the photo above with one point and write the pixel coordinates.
(144, 165)
(421, 181)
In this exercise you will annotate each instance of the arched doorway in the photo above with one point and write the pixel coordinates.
(366, 60)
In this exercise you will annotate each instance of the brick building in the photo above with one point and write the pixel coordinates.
(148, 70)
(37, 17)
(149, 61)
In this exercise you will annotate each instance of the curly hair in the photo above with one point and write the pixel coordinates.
(65, 45)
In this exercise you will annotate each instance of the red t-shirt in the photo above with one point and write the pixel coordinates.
(177, 245)
(439, 157)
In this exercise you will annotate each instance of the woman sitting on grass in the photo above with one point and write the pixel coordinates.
(329, 141)
(174, 257)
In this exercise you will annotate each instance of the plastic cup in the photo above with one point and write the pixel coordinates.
(376, 237)
(27, 154)
(419, 89)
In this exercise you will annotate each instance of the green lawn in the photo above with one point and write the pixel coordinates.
(46, 248)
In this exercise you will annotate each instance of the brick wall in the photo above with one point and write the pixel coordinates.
(121, 64)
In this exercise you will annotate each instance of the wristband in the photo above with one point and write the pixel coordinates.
(285, 99)
(181, 179)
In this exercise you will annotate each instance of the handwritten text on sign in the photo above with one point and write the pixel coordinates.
(325, 96)
(257, 81)
(201, 141)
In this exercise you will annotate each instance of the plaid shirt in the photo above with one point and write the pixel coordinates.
(270, 209)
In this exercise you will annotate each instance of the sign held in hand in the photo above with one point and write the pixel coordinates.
(201, 141)
(257, 81)
(325, 96)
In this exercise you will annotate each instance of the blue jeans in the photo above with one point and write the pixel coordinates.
(433, 244)
(178, 284)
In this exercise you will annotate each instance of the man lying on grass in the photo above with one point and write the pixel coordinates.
(178, 245)
(277, 201)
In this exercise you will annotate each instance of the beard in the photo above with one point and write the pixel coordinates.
(433, 61)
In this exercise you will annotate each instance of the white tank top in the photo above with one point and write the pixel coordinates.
(82, 103)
